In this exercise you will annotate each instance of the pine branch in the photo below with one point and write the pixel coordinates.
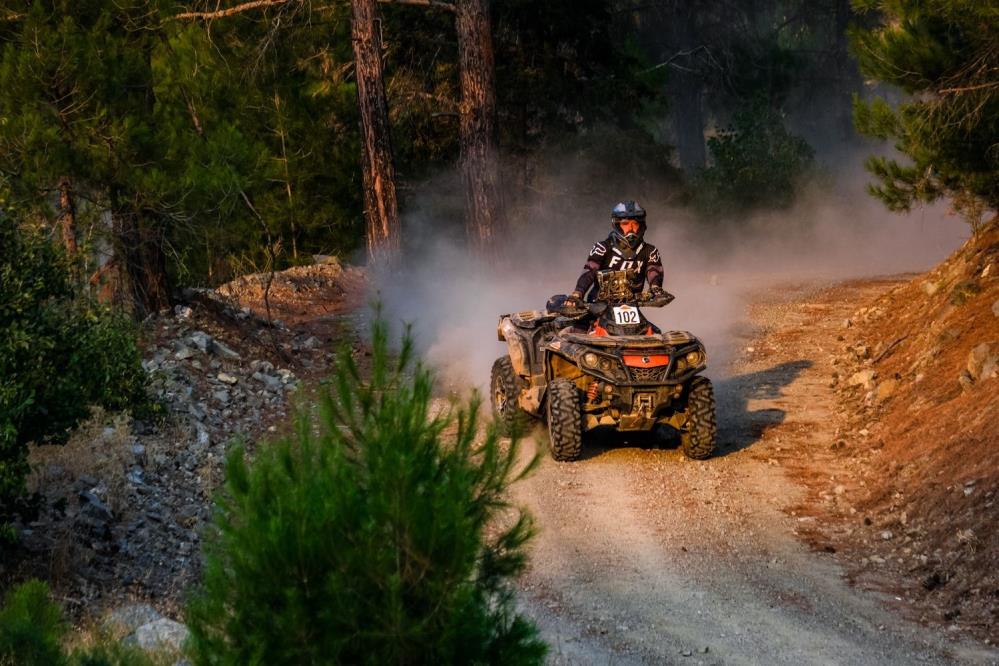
(258, 4)
(231, 11)
(981, 86)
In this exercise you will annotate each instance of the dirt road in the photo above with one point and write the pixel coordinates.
(644, 556)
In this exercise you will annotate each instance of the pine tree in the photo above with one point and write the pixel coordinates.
(944, 55)
(378, 533)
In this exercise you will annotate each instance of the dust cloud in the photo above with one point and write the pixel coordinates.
(453, 301)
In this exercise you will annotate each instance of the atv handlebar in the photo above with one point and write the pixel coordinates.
(645, 299)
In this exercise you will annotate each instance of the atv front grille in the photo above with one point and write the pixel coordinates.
(649, 375)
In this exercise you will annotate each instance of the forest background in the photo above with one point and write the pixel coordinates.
(170, 144)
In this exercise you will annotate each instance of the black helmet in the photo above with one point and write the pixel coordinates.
(628, 210)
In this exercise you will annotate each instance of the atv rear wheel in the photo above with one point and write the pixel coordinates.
(504, 392)
(565, 422)
(698, 437)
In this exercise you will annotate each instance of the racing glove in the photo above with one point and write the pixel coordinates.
(658, 292)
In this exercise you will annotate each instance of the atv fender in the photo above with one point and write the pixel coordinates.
(516, 345)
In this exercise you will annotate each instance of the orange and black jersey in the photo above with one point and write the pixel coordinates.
(618, 256)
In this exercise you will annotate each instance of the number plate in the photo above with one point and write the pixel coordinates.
(625, 314)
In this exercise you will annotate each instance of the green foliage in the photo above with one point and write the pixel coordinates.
(59, 354)
(372, 535)
(757, 164)
(189, 130)
(942, 54)
(31, 627)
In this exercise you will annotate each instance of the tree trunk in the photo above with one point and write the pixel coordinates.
(484, 210)
(380, 205)
(142, 262)
(686, 91)
(67, 216)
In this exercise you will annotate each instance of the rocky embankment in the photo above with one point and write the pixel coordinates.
(122, 506)
(917, 448)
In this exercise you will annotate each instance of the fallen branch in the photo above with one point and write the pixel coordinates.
(888, 349)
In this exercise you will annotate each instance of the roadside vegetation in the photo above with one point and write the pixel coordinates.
(378, 532)
(61, 353)
(33, 632)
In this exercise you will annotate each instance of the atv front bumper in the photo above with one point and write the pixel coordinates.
(637, 408)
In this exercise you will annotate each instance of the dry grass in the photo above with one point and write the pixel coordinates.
(100, 448)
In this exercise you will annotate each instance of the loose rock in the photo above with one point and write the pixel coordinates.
(226, 378)
(864, 378)
(983, 361)
(161, 634)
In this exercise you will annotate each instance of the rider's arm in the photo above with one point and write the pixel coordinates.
(587, 279)
(654, 269)
(593, 264)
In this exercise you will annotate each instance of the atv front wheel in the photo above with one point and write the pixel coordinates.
(565, 423)
(698, 437)
(504, 391)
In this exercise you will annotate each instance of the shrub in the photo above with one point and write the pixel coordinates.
(757, 164)
(32, 628)
(59, 354)
(368, 536)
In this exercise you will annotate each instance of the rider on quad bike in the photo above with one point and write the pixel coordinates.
(624, 249)
(583, 364)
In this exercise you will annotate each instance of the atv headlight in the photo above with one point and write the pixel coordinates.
(591, 360)
(694, 358)
(681, 365)
(606, 364)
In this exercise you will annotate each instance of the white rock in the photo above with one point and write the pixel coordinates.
(127, 619)
(226, 378)
(161, 634)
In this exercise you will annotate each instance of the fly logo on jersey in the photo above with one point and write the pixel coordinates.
(626, 265)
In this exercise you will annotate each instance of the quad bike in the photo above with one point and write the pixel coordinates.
(582, 366)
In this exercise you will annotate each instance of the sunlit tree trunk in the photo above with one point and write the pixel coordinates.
(380, 203)
(484, 208)
(67, 216)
